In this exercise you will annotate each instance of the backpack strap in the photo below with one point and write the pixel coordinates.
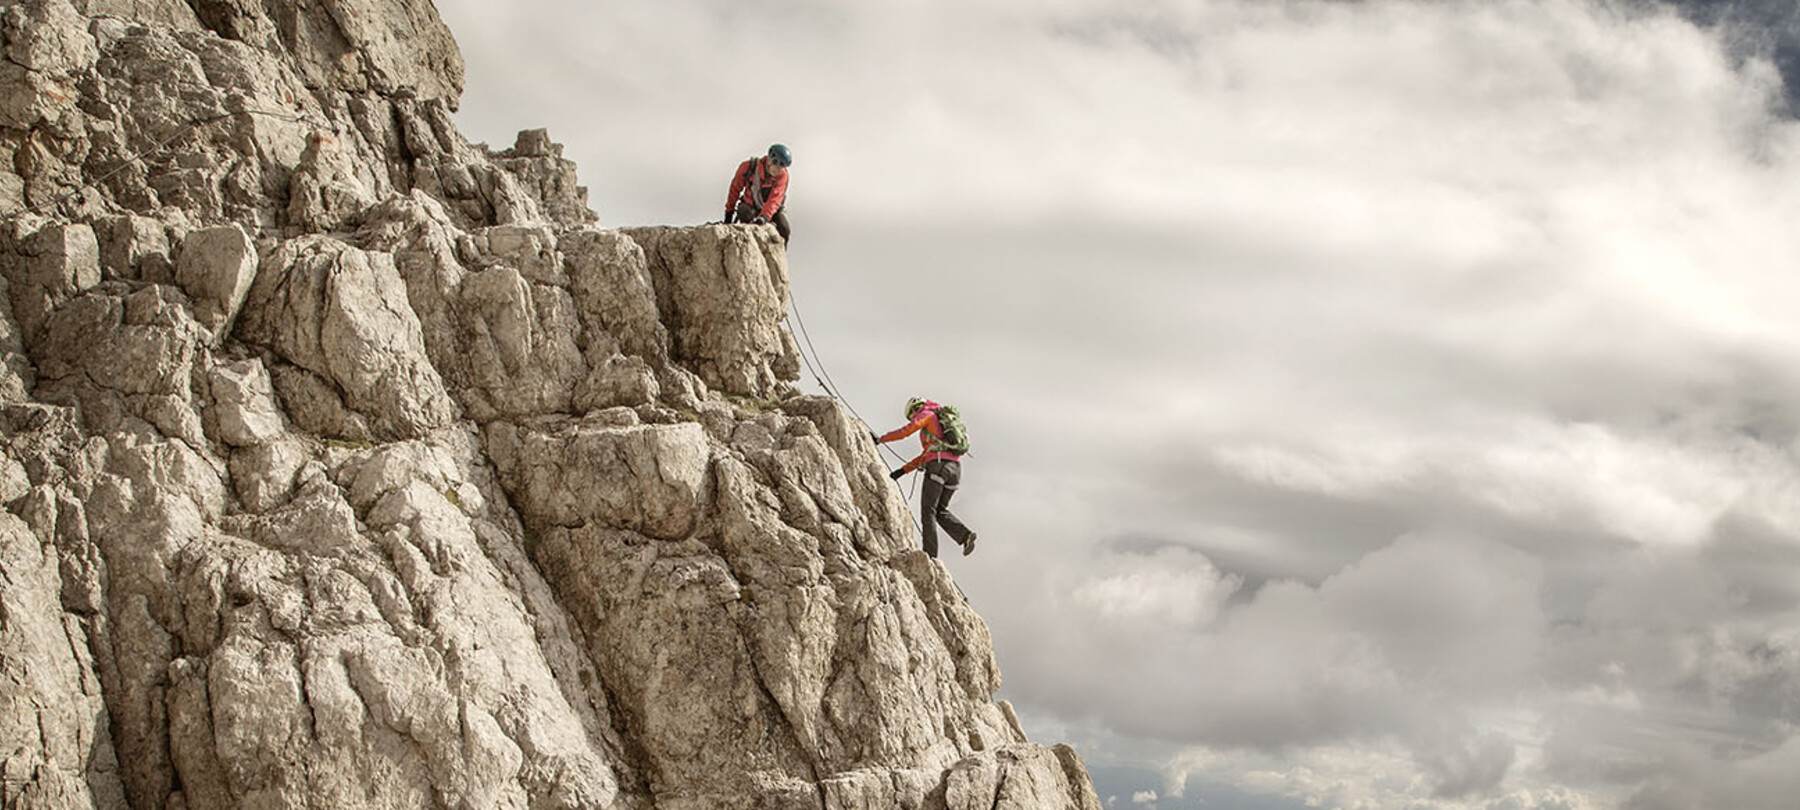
(939, 443)
(759, 183)
(747, 194)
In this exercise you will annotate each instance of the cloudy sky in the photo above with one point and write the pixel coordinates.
(1383, 405)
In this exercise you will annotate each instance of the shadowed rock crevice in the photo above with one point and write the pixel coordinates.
(350, 464)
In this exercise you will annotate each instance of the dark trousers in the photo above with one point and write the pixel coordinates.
(746, 214)
(941, 479)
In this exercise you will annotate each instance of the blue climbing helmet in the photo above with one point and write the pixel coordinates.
(779, 154)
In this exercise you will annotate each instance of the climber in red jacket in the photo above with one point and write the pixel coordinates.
(759, 191)
(942, 461)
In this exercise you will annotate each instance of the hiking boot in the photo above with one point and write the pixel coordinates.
(969, 545)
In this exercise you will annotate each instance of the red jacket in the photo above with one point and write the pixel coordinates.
(758, 187)
(925, 423)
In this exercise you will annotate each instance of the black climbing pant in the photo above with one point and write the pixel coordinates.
(941, 479)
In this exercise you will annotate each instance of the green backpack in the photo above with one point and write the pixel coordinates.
(956, 435)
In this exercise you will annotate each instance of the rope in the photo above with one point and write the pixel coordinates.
(154, 148)
(823, 377)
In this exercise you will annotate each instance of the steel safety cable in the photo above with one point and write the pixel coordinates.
(823, 376)
(153, 149)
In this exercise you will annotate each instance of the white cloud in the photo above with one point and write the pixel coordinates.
(1648, 487)
(1389, 402)
(1168, 590)
(1368, 777)
(1144, 797)
(1405, 643)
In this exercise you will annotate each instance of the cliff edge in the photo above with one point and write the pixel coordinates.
(349, 464)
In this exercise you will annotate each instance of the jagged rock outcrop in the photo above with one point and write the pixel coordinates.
(349, 464)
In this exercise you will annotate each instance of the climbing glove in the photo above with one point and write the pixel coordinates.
(874, 437)
(897, 473)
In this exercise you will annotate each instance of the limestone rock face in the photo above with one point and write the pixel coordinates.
(724, 293)
(216, 268)
(46, 48)
(52, 717)
(346, 463)
(539, 166)
(340, 313)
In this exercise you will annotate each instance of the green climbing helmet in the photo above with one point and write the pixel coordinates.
(913, 405)
(780, 155)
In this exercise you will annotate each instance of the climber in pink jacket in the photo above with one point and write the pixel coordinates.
(942, 441)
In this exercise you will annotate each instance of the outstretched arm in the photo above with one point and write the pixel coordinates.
(927, 421)
(907, 429)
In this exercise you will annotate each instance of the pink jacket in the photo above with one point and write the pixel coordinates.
(924, 423)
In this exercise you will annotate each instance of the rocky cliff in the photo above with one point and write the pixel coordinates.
(348, 464)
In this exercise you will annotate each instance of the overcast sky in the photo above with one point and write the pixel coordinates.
(1382, 405)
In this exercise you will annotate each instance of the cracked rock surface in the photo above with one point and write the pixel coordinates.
(347, 464)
